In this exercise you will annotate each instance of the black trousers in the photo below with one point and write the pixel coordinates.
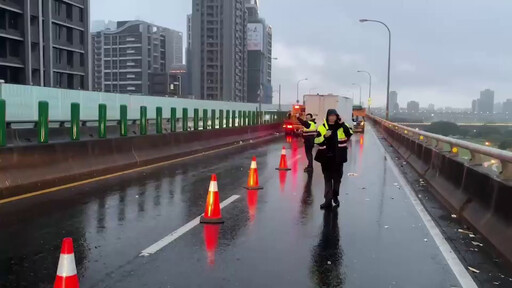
(333, 172)
(309, 144)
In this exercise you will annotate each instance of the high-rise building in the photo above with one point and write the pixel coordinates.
(474, 106)
(498, 107)
(259, 54)
(431, 107)
(413, 107)
(98, 25)
(393, 102)
(486, 103)
(125, 57)
(219, 50)
(45, 43)
(507, 106)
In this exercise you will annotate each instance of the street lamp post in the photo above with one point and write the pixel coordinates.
(389, 60)
(360, 92)
(370, 87)
(298, 83)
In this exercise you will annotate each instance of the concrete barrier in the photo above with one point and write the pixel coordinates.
(476, 195)
(25, 169)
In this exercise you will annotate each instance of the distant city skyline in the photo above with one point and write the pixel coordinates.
(435, 58)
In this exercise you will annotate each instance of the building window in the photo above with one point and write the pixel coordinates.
(70, 59)
(3, 47)
(81, 36)
(13, 21)
(58, 55)
(57, 81)
(3, 16)
(69, 12)
(14, 48)
(56, 31)
(69, 35)
(57, 7)
(82, 82)
(71, 81)
(81, 14)
(82, 60)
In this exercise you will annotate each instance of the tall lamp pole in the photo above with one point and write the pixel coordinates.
(360, 92)
(298, 83)
(389, 60)
(370, 87)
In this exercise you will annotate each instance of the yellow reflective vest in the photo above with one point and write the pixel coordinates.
(311, 131)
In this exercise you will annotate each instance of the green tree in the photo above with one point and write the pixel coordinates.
(444, 128)
(505, 144)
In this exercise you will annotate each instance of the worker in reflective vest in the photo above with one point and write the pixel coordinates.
(309, 134)
(332, 140)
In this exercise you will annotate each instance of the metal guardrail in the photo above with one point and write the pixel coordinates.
(502, 157)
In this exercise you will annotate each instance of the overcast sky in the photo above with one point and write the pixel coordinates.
(444, 51)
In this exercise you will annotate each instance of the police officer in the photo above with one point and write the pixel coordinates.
(332, 139)
(309, 134)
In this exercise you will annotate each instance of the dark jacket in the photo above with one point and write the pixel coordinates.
(333, 148)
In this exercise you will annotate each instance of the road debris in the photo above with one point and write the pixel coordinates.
(465, 232)
(473, 269)
(426, 240)
(352, 174)
(473, 249)
(386, 227)
(477, 244)
(454, 216)
(328, 262)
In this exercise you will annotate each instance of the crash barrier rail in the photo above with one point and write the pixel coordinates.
(27, 169)
(478, 193)
(73, 111)
(498, 161)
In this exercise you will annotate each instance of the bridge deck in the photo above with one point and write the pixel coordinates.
(276, 237)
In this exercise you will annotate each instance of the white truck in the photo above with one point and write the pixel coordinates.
(318, 105)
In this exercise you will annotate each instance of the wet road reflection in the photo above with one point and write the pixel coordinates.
(327, 258)
(211, 240)
(307, 199)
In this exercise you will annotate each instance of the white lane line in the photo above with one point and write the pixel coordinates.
(451, 258)
(182, 230)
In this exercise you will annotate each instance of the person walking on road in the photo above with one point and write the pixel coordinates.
(332, 138)
(309, 135)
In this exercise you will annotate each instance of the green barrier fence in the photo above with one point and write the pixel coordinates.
(173, 119)
(42, 122)
(205, 119)
(214, 119)
(75, 122)
(3, 124)
(221, 118)
(184, 119)
(159, 120)
(123, 120)
(143, 127)
(102, 121)
(196, 119)
(228, 118)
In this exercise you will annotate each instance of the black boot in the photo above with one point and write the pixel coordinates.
(336, 201)
(326, 205)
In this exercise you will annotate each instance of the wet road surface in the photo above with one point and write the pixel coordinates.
(276, 237)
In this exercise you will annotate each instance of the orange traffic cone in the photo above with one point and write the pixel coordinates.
(66, 271)
(253, 181)
(283, 165)
(212, 212)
